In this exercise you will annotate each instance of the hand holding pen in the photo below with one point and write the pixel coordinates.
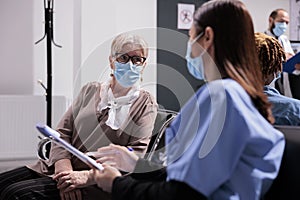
(117, 156)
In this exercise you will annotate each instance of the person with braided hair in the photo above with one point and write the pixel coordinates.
(286, 110)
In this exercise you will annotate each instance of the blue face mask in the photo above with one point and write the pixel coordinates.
(280, 28)
(276, 77)
(195, 65)
(127, 74)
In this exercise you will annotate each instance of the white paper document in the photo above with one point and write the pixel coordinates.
(55, 137)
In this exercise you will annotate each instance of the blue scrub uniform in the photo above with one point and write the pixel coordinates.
(221, 146)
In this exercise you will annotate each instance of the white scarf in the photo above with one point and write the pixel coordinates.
(118, 107)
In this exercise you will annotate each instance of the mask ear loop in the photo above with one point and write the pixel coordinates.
(111, 60)
(141, 79)
(142, 71)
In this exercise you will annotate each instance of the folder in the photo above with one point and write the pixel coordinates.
(55, 137)
(289, 66)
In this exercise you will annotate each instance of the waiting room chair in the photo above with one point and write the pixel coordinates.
(156, 148)
(287, 184)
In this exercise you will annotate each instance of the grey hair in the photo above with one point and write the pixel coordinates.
(125, 39)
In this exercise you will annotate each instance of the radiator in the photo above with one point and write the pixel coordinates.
(18, 117)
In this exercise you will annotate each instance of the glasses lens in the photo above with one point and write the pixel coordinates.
(137, 60)
(123, 58)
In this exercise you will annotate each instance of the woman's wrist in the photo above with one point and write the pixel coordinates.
(63, 165)
(91, 178)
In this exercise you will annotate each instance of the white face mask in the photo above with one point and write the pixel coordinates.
(195, 65)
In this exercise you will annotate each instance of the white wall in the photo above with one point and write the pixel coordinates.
(62, 58)
(85, 30)
(16, 49)
(261, 9)
(101, 22)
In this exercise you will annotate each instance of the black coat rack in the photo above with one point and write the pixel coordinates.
(48, 7)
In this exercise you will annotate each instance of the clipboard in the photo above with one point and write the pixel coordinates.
(289, 66)
(55, 137)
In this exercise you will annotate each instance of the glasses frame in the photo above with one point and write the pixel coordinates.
(129, 58)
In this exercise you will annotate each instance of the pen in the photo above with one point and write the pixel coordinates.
(130, 148)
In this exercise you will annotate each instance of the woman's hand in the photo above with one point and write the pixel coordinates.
(297, 66)
(62, 169)
(69, 180)
(105, 178)
(117, 156)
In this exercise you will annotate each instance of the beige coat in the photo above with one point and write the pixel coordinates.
(84, 127)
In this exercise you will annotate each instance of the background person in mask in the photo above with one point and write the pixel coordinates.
(278, 24)
(116, 111)
(286, 111)
(222, 144)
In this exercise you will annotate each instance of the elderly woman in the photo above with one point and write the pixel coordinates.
(116, 111)
(222, 144)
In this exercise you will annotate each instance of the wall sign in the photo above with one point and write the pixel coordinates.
(185, 15)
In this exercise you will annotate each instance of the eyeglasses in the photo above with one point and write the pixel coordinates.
(124, 58)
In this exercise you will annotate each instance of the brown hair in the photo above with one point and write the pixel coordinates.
(235, 51)
(270, 53)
